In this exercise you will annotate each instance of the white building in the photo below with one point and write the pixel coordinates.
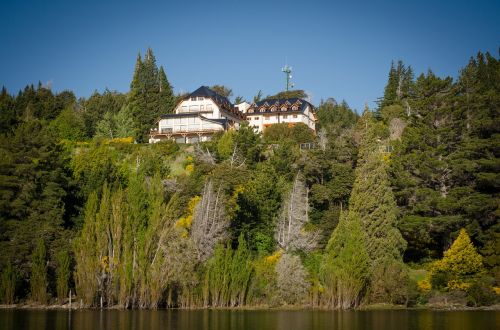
(197, 117)
(273, 111)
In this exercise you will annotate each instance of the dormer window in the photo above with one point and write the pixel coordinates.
(283, 108)
(273, 108)
(193, 98)
(295, 108)
(200, 98)
(250, 110)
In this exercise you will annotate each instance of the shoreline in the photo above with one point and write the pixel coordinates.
(374, 307)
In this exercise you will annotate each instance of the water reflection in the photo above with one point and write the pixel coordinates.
(238, 319)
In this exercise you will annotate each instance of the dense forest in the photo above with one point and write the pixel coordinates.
(397, 205)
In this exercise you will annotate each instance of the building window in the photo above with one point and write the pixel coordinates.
(193, 98)
(193, 108)
(294, 116)
(295, 108)
(255, 118)
(267, 117)
(184, 108)
(202, 107)
(285, 116)
(209, 107)
(200, 98)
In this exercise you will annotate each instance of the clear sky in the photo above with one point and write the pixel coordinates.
(340, 49)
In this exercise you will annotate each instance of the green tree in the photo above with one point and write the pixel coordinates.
(63, 273)
(459, 263)
(150, 95)
(38, 278)
(345, 269)
(299, 93)
(8, 283)
(222, 90)
(69, 125)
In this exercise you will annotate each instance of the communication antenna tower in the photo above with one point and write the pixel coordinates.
(287, 70)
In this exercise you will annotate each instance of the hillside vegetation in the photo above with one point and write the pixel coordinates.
(397, 205)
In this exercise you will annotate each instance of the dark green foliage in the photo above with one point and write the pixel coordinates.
(444, 170)
(8, 283)
(480, 292)
(8, 116)
(258, 204)
(150, 95)
(289, 94)
(337, 115)
(398, 88)
(222, 90)
(97, 106)
(34, 189)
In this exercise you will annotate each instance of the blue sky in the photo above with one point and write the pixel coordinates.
(340, 49)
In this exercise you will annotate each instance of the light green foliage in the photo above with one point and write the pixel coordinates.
(63, 274)
(299, 133)
(69, 125)
(38, 278)
(345, 270)
(227, 277)
(225, 145)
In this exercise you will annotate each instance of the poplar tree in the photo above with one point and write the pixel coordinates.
(38, 279)
(63, 273)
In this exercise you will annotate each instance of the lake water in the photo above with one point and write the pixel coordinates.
(249, 319)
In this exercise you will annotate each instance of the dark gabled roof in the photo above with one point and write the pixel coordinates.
(221, 101)
(288, 103)
(207, 92)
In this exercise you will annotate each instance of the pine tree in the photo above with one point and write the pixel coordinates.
(150, 95)
(166, 94)
(373, 201)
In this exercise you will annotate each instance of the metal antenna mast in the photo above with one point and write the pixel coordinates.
(288, 72)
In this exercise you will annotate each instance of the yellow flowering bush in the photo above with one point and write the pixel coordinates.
(185, 222)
